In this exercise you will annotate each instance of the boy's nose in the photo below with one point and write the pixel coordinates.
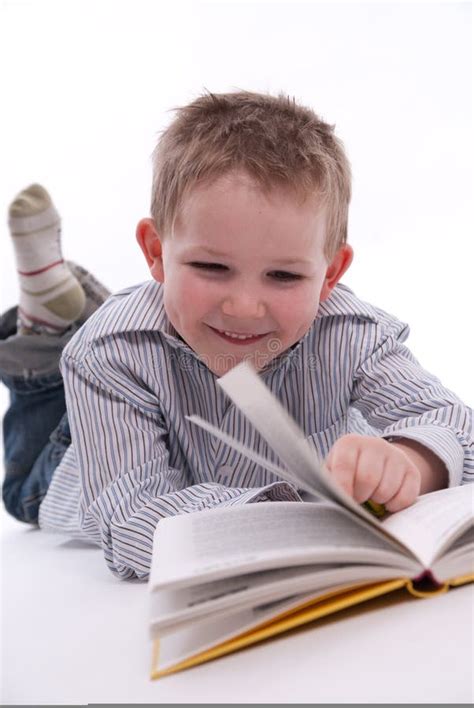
(243, 306)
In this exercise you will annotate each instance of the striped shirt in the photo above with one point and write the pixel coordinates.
(130, 382)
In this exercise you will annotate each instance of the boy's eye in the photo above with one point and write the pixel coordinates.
(281, 276)
(284, 276)
(201, 265)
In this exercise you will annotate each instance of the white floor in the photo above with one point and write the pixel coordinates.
(72, 633)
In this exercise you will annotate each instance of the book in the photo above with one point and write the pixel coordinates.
(225, 578)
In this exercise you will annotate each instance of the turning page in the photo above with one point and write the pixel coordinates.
(303, 468)
(434, 521)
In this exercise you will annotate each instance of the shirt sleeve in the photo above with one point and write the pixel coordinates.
(126, 484)
(399, 398)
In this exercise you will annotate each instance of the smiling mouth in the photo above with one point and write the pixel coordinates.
(237, 337)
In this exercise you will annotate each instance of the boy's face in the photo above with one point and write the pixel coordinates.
(243, 272)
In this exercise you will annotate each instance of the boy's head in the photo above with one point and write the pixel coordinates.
(249, 224)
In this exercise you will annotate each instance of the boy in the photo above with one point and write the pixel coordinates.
(246, 247)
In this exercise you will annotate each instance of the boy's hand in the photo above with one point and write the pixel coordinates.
(372, 468)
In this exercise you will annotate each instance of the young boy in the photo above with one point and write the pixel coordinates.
(246, 246)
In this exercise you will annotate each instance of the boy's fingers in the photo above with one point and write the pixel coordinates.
(407, 493)
(390, 481)
(344, 477)
(369, 474)
(368, 469)
(342, 463)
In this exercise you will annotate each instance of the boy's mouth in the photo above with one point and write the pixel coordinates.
(237, 337)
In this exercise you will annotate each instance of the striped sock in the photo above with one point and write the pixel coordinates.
(51, 298)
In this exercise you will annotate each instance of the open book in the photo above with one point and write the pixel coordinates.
(225, 578)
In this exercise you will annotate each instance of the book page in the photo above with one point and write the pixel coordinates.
(176, 607)
(203, 634)
(223, 542)
(434, 521)
(458, 559)
(191, 640)
(464, 540)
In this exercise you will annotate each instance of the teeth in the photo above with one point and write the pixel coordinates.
(239, 336)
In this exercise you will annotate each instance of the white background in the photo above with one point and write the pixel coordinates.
(88, 85)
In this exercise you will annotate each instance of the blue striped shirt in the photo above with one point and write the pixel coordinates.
(130, 380)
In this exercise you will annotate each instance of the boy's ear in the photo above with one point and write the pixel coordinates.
(336, 269)
(150, 243)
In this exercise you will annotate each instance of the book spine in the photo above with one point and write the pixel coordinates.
(426, 585)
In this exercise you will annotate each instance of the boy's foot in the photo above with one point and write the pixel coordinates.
(51, 297)
(96, 293)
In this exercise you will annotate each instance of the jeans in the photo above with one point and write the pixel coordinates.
(35, 427)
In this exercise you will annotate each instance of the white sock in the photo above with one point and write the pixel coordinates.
(51, 298)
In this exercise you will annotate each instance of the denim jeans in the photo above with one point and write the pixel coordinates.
(35, 427)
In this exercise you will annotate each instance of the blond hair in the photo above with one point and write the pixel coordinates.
(274, 140)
